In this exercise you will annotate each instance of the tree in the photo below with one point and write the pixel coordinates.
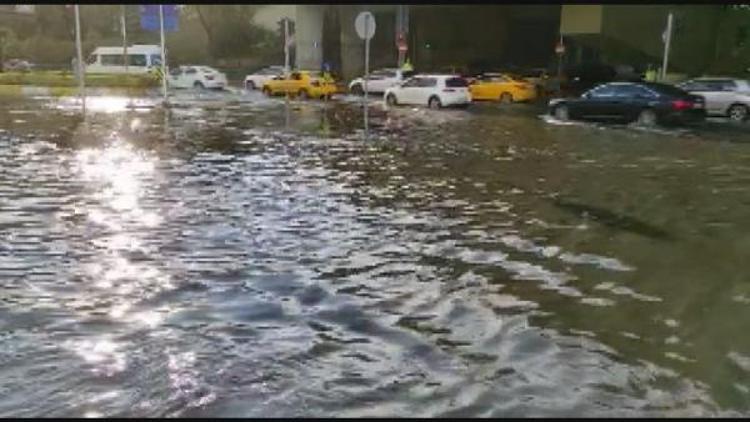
(230, 29)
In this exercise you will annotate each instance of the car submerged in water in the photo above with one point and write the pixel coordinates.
(646, 103)
(434, 91)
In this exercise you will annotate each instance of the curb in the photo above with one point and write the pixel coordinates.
(45, 91)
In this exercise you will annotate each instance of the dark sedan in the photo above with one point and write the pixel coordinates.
(646, 103)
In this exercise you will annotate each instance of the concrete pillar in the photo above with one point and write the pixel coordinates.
(309, 36)
(352, 47)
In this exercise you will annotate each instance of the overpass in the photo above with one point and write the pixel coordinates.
(478, 37)
(438, 37)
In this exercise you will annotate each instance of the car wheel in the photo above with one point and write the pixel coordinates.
(357, 90)
(561, 112)
(250, 85)
(738, 112)
(267, 91)
(506, 98)
(434, 103)
(198, 85)
(391, 100)
(303, 94)
(647, 118)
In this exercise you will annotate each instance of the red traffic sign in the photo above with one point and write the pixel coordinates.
(559, 48)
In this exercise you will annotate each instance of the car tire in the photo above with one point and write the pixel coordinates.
(738, 112)
(561, 112)
(391, 100)
(647, 118)
(434, 103)
(198, 85)
(506, 98)
(303, 94)
(357, 90)
(250, 86)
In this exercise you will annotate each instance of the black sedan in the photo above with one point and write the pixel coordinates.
(646, 103)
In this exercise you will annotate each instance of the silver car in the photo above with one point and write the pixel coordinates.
(724, 96)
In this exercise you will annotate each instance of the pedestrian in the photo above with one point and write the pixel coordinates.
(650, 73)
(327, 77)
(407, 67)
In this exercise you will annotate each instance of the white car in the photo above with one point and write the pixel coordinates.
(725, 97)
(197, 77)
(379, 80)
(256, 79)
(434, 91)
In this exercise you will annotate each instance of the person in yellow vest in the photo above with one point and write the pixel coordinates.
(407, 67)
(650, 75)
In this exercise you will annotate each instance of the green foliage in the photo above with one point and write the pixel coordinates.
(207, 34)
(67, 79)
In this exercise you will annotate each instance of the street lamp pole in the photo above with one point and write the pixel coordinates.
(667, 42)
(79, 53)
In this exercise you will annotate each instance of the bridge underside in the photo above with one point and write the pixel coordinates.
(438, 37)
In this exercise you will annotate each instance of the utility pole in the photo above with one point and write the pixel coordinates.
(124, 38)
(79, 52)
(163, 53)
(667, 41)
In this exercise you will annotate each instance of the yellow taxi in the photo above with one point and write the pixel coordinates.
(301, 83)
(502, 87)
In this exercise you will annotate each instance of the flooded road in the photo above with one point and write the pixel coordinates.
(243, 258)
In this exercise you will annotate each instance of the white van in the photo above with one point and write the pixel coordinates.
(141, 59)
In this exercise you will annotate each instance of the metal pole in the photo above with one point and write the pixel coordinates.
(367, 64)
(79, 52)
(667, 43)
(163, 53)
(124, 38)
(286, 54)
(560, 69)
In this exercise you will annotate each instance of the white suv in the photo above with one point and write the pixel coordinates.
(379, 80)
(724, 96)
(197, 77)
(434, 91)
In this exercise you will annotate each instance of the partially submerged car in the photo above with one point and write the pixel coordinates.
(502, 87)
(379, 81)
(646, 103)
(434, 91)
(198, 77)
(256, 79)
(724, 97)
(302, 84)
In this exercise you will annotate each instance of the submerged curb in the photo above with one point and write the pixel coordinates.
(45, 91)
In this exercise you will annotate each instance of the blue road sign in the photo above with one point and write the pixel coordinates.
(150, 17)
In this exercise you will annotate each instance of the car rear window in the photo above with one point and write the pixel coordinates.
(667, 89)
(456, 83)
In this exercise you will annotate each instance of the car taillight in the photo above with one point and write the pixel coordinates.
(681, 105)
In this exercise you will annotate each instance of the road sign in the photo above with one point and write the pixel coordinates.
(150, 17)
(365, 25)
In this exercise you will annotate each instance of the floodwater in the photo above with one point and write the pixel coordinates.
(244, 258)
